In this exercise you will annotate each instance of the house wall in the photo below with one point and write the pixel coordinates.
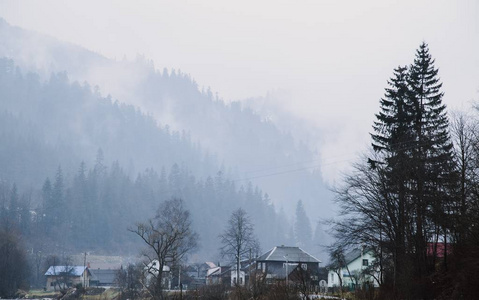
(165, 280)
(50, 286)
(212, 280)
(51, 280)
(233, 278)
(79, 280)
(355, 268)
(277, 269)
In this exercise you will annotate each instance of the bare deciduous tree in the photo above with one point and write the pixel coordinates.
(238, 240)
(169, 237)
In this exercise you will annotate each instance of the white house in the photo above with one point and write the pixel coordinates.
(151, 271)
(213, 276)
(225, 275)
(234, 274)
(358, 270)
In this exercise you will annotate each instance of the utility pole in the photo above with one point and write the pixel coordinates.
(286, 256)
(249, 268)
(179, 282)
(84, 266)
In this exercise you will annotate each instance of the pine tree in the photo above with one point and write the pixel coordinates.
(393, 141)
(57, 208)
(302, 227)
(433, 172)
(80, 206)
(399, 202)
(14, 206)
(392, 128)
(100, 168)
(46, 205)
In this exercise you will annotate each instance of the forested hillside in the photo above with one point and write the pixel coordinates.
(252, 146)
(68, 123)
(68, 157)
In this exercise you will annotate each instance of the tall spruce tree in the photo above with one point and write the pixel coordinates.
(57, 209)
(399, 202)
(393, 121)
(433, 169)
(46, 216)
(392, 140)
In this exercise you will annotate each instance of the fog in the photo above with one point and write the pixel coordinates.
(312, 49)
(262, 105)
(73, 112)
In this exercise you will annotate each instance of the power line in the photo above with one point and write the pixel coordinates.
(291, 171)
(283, 166)
(403, 145)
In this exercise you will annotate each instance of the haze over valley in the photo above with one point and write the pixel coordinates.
(158, 127)
(271, 148)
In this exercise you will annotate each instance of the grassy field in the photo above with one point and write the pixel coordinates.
(39, 294)
(91, 294)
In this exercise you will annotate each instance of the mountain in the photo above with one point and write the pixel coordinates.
(206, 133)
(68, 183)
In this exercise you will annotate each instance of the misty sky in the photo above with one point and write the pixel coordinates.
(331, 58)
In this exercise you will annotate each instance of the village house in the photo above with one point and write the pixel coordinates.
(62, 277)
(197, 273)
(151, 271)
(290, 264)
(225, 275)
(358, 270)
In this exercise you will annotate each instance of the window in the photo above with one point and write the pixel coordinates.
(259, 266)
(332, 277)
(365, 262)
(304, 266)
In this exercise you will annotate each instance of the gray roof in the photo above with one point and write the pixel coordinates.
(72, 270)
(291, 254)
(352, 255)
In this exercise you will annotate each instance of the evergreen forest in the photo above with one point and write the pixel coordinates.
(79, 168)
